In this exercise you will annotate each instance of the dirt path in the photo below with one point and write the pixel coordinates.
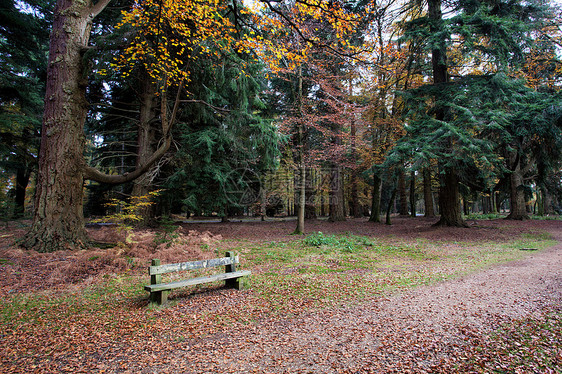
(422, 330)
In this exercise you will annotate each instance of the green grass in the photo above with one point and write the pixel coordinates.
(325, 270)
(288, 277)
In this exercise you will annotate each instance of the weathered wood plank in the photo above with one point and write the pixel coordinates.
(155, 278)
(194, 281)
(184, 266)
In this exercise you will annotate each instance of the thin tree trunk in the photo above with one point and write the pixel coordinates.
(428, 194)
(413, 193)
(403, 196)
(355, 208)
(263, 198)
(22, 180)
(376, 201)
(389, 207)
(299, 230)
(310, 207)
(302, 201)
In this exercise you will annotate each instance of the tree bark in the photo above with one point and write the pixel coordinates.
(449, 202)
(389, 207)
(413, 193)
(337, 211)
(428, 194)
(302, 201)
(310, 206)
(376, 202)
(58, 221)
(146, 145)
(299, 230)
(517, 209)
(22, 180)
(58, 218)
(355, 208)
(403, 196)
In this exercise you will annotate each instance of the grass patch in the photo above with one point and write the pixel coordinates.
(288, 278)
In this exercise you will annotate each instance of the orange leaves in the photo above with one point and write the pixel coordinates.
(168, 34)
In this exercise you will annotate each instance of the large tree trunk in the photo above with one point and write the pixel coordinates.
(146, 143)
(428, 194)
(376, 202)
(58, 221)
(449, 203)
(58, 218)
(518, 209)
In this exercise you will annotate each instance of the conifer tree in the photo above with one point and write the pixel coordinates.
(23, 62)
(445, 122)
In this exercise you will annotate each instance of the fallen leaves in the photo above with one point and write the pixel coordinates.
(290, 323)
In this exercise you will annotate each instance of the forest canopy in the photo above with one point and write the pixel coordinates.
(304, 108)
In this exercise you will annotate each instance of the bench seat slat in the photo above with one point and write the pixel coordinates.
(170, 268)
(194, 281)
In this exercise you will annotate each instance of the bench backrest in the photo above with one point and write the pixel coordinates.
(184, 266)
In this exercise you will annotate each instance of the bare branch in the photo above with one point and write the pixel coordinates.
(98, 176)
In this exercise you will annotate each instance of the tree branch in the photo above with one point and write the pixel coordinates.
(203, 102)
(99, 7)
(96, 175)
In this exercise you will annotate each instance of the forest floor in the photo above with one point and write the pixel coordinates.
(350, 297)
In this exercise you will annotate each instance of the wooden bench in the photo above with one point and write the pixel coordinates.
(159, 291)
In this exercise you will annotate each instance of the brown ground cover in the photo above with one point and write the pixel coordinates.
(449, 326)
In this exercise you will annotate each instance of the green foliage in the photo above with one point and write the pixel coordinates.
(168, 233)
(488, 216)
(346, 243)
(23, 61)
(222, 143)
(126, 213)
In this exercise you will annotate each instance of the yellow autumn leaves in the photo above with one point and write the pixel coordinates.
(165, 36)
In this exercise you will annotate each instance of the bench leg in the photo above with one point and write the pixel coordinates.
(234, 283)
(159, 297)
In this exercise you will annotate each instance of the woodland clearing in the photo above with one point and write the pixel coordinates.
(349, 297)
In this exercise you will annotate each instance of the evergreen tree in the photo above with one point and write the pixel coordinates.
(445, 122)
(23, 60)
(225, 145)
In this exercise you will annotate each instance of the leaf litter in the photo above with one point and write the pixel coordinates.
(506, 318)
